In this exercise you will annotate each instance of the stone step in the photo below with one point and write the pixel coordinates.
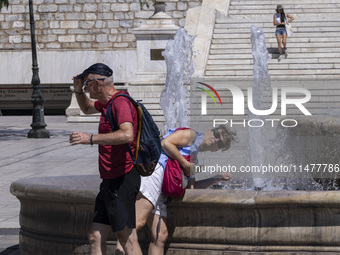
(291, 55)
(293, 58)
(283, 61)
(270, 9)
(273, 66)
(322, 86)
(219, 62)
(228, 38)
(295, 23)
(214, 51)
(315, 101)
(288, 60)
(319, 102)
(303, 47)
(317, 97)
(314, 108)
(327, 102)
(274, 72)
(243, 45)
(311, 31)
(314, 48)
(277, 77)
(254, 19)
(230, 51)
(233, 12)
(231, 56)
(273, 45)
(291, 2)
(224, 60)
(154, 112)
(266, 6)
(231, 62)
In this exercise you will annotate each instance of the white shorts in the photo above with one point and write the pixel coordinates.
(151, 188)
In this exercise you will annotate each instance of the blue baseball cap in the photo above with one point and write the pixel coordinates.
(98, 68)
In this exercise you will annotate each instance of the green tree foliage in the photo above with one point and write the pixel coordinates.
(145, 2)
(3, 3)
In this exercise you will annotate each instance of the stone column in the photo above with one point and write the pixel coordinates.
(75, 114)
(151, 41)
(200, 23)
(151, 71)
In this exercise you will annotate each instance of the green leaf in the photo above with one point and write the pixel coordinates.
(145, 2)
(3, 3)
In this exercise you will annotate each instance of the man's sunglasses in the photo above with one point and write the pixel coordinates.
(217, 135)
(87, 82)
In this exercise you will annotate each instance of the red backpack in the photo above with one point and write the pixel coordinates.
(173, 177)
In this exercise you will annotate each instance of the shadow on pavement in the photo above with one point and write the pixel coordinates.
(13, 250)
(13, 134)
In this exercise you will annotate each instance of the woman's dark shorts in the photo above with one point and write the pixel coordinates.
(115, 203)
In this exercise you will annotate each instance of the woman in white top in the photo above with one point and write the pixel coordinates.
(280, 20)
(151, 203)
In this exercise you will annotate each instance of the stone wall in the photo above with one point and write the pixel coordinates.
(81, 24)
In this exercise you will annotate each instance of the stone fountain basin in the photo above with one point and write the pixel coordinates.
(56, 213)
(316, 126)
(315, 140)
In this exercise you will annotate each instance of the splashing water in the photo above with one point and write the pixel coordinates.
(261, 92)
(294, 149)
(174, 101)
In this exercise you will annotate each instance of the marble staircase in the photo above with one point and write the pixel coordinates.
(314, 48)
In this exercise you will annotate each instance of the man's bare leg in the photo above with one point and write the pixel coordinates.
(143, 210)
(119, 249)
(97, 237)
(129, 241)
(159, 234)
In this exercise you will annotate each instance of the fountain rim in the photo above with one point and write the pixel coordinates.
(38, 188)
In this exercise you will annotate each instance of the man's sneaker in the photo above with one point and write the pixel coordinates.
(281, 56)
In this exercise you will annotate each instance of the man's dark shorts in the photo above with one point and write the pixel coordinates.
(115, 203)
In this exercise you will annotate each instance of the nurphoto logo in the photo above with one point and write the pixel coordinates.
(295, 96)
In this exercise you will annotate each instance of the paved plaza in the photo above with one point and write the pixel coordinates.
(21, 157)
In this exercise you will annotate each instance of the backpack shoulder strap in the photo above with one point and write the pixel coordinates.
(109, 116)
(139, 119)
